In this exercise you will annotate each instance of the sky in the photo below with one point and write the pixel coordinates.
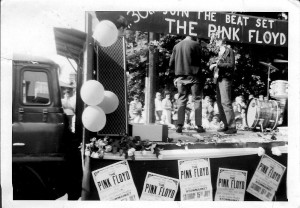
(28, 29)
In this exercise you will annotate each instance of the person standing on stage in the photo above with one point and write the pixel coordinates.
(225, 65)
(186, 61)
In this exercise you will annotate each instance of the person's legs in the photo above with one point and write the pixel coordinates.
(196, 91)
(220, 107)
(182, 100)
(197, 96)
(225, 92)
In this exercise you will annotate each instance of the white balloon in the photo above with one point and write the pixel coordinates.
(92, 92)
(110, 102)
(93, 118)
(106, 33)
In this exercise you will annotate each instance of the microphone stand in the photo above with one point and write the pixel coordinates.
(268, 93)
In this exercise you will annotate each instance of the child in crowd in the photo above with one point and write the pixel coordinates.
(175, 110)
(135, 110)
(158, 107)
(239, 109)
(215, 123)
(167, 109)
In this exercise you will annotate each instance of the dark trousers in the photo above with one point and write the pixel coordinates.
(196, 90)
(224, 103)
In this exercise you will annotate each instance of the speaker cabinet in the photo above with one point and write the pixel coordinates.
(111, 74)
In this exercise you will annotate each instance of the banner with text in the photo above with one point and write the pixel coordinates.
(115, 183)
(159, 188)
(231, 185)
(266, 178)
(195, 180)
(234, 27)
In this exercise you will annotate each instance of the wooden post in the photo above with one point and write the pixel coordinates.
(150, 82)
(88, 67)
(89, 53)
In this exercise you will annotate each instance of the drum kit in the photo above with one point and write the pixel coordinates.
(268, 114)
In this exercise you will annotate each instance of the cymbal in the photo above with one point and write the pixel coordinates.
(280, 61)
(268, 65)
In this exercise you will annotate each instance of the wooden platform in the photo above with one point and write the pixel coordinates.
(213, 144)
(240, 137)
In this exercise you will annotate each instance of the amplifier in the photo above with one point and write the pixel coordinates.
(152, 132)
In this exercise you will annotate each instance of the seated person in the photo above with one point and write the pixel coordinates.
(215, 123)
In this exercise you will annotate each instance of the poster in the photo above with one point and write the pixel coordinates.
(115, 183)
(231, 185)
(159, 188)
(266, 178)
(195, 180)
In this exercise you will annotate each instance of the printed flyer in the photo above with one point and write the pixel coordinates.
(115, 183)
(231, 185)
(266, 178)
(159, 188)
(195, 180)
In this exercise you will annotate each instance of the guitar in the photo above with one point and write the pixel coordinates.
(223, 53)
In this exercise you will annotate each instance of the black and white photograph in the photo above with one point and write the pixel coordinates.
(150, 101)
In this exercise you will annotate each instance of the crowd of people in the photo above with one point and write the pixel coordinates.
(166, 112)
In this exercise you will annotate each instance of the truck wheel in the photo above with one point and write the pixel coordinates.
(31, 183)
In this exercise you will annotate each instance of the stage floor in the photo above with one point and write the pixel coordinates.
(213, 144)
(241, 136)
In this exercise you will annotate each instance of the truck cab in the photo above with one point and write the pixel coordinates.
(46, 162)
(38, 120)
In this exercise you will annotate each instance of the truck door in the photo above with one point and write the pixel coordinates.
(38, 119)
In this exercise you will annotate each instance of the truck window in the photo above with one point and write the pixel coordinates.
(35, 88)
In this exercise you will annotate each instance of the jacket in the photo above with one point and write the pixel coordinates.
(186, 58)
(226, 65)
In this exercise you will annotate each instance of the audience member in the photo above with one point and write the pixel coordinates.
(167, 109)
(207, 108)
(175, 110)
(239, 108)
(158, 107)
(215, 123)
(68, 107)
(73, 104)
(135, 110)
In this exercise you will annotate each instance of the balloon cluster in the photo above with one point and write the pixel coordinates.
(100, 103)
(106, 33)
